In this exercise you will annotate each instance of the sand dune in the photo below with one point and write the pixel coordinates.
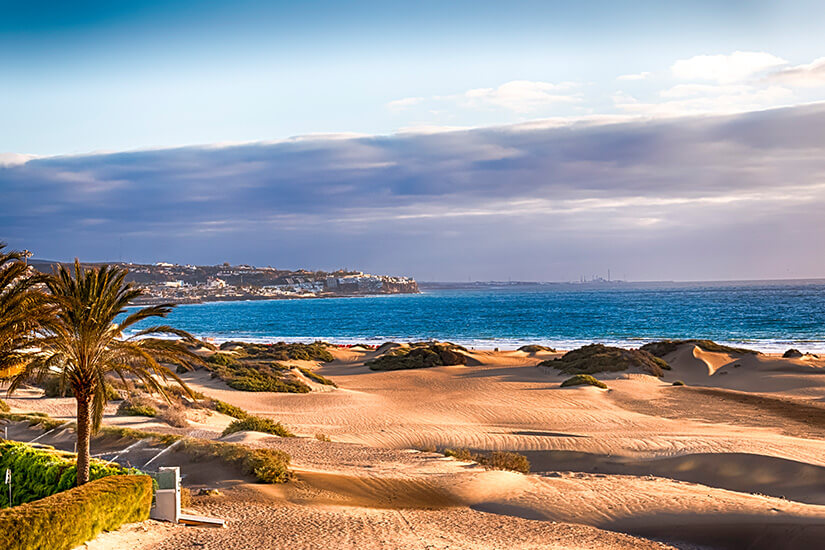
(734, 459)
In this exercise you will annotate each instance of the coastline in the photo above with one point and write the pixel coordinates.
(490, 345)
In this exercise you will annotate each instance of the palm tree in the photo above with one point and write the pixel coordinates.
(85, 343)
(24, 309)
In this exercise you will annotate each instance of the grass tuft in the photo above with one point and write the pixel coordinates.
(497, 460)
(257, 424)
(583, 380)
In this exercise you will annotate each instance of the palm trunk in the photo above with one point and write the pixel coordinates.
(84, 428)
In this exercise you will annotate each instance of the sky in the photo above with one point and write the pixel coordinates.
(443, 140)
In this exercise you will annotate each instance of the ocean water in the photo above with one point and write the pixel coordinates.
(768, 316)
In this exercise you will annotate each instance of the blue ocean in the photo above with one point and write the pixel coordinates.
(768, 316)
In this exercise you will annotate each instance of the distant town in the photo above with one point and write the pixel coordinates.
(187, 284)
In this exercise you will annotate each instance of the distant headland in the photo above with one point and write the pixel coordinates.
(191, 284)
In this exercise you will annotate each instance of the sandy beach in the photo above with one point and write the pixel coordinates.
(733, 459)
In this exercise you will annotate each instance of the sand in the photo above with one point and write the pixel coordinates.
(734, 459)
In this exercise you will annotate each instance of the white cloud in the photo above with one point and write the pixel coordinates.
(521, 96)
(725, 69)
(805, 76)
(13, 159)
(404, 103)
(636, 76)
(695, 99)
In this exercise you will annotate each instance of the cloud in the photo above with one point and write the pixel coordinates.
(804, 76)
(635, 76)
(697, 99)
(521, 96)
(405, 103)
(725, 69)
(532, 199)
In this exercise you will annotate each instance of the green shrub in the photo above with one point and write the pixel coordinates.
(662, 348)
(280, 351)
(419, 355)
(505, 460)
(461, 454)
(257, 424)
(111, 393)
(68, 519)
(222, 359)
(497, 460)
(534, 348)
(39, 472)
(34, 419)
(267, 465)
(600, 358)
(257, 377)
(51, 387)
(583, 379)
(678, 383)
(315, 377)
(136, 407)
(4, 407)
(229, 410)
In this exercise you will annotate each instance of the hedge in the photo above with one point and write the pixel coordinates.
(68, 519)
(39, 472)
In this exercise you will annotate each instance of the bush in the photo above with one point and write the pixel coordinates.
(111, 393)
(174, 415)
(229, 410)
(34, 419)
(418, 356)
(792, 354)
(662, 348)
(503, 460)
(39, 472)
(497, 460)
(267, 465)
(678, 383)
(280, 351)
(51, 387)
(322, 437)
(4, 407)
(534, 348)
(600, 358)
(67, 520)
(246, 376)
(257, 424)
(583, 380)
(461, 454)
(136, 406)
(315, 377)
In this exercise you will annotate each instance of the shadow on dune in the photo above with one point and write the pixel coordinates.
(741, 472)
(728, 532)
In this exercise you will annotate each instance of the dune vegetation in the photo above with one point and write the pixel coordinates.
(255, 375)
(279, 351)
(664, 347)
(496, 460)
(419, 355)
(536, 348)
(596, 358)
(583, 380)
(260, 424)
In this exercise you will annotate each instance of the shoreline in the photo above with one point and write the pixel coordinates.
(772, 347)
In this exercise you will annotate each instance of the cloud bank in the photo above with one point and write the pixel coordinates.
(738, 196)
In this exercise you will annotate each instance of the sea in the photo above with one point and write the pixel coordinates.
(769, 316)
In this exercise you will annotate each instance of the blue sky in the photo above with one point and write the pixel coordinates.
(95, 95)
